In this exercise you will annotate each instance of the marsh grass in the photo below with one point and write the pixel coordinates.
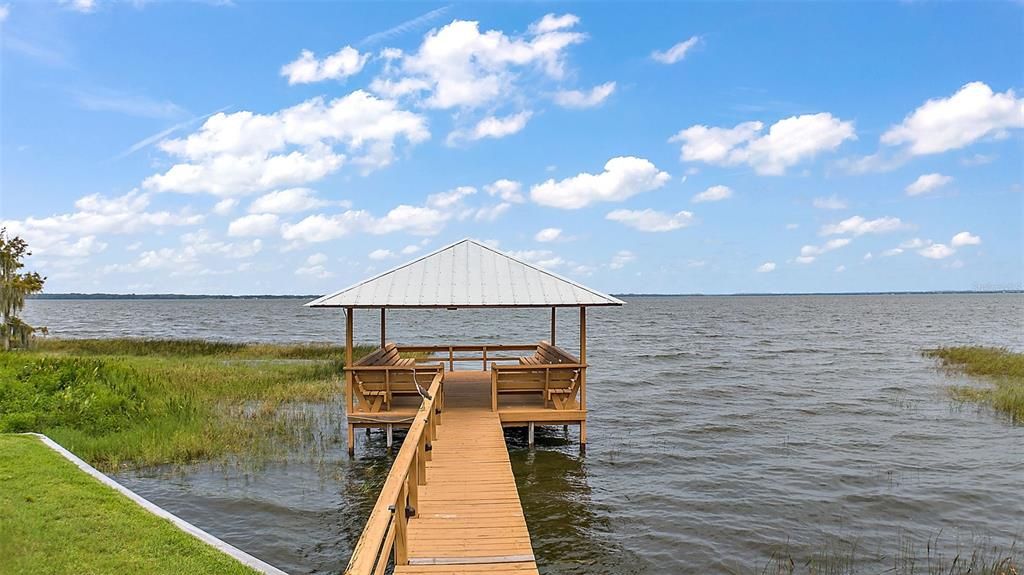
(1003, 369)
(131, 402)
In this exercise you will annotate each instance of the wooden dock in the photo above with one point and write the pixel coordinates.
(463, 509)
(470, 519)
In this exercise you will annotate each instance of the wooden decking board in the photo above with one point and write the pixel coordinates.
(470, 518)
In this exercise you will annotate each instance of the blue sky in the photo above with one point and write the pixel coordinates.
(246, 148)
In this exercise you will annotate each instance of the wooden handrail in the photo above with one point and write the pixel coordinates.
(385, 533)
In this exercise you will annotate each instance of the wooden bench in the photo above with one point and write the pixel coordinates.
(550, 372)
(383, 374)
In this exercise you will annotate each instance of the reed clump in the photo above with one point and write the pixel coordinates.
(132, 402)
(1002, 369)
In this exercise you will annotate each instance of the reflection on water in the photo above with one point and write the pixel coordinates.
(721, 429)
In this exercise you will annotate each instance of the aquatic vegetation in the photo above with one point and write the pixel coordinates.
(145, 402)
(59, 520)
(1003, 370)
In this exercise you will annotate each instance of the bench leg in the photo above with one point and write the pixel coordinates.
(351, 439)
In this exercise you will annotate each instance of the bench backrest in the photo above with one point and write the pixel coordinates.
(538, 378)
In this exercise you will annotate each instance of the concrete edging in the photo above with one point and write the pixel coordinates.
(226, 548)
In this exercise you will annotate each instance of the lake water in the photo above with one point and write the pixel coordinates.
(722, 430)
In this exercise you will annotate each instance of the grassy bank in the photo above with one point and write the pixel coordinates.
(57, 520)
(1003, 371)
(144, 402)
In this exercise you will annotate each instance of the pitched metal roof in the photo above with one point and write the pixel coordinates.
(466, 274)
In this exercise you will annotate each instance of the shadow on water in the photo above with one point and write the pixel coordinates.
(569, 534)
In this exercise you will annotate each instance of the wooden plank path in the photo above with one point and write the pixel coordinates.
(470, 519)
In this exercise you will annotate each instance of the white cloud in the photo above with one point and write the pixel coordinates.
(913, 244)
(314, 267)
(579, 99)
(892, 252)
(188, 259)
(858, 225)
(809, 253)
(224, 207)
(381, 254)
(507, 190)
(972, 113)
(410, 249)
(978, 160)
(307, 69)
(128, 104)
(415, 220)
(621, 258)
(489, 214)
(244, 152)
(937, 251)
(254, 225)
(927, 183)
(623, 177)
(96, 214)
(492, 127)
(650, 220)
(792, 226)
(458, 66)
(551, 23)
(316, 259)
(677, 52)
(287, 201)
(541, 258)
(787, 142)
(840, 268)
(832, 202)
(965, 239)
(450, 199)
(869, 256)
(766, 267)
(713, 194)
(548, 235)
(5, 11)
(83, 6)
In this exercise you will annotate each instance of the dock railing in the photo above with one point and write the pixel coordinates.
(460, 353)
(385, 535)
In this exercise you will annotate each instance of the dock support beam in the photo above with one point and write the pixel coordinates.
(383, 328)
(390, 433)
(553, 326)
(529, 434)
(349, 399)
(583, 377)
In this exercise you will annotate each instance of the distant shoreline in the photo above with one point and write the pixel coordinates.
(171, 296)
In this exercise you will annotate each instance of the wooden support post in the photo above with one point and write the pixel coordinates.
(494, 389)
(553, 326)
(388, 430)
(383, 328)
(415, 480)
(583, 376)
(529, 434)
(401, 527)
(349, 394)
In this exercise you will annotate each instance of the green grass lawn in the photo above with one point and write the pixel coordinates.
(1002, 369)
(143, 402)
(56, 519)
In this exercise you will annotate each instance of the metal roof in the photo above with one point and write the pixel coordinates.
(466, 274)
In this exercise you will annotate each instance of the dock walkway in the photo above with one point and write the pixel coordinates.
(470, 519)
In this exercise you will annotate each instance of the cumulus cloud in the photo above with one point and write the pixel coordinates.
(244, 152)
(381, 254)
(713, 194)
(96, 214)
(832, 202)
(491, 127)
(450, 199)
(5, 11)
(622, 178)
(858, 226)
(766, 267)
(307, 69)
(809, 253)
(651, 220)
(491, 213)
(459, 66)
(927, 183)
(224, 207)
(540, 258)
(314, 267)
(254, 225)
(585, 99)
(507, 190)
(621, 258)
(677, 52)
(787, 142)
(548, 235)
(316, 228)
(287, 201)
(83, 6)
(972, 113)
(965, 239)
(937, 251)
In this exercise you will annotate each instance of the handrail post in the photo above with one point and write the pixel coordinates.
(494, 388)
(485, 358)
(414, 481)
(401, 528)
(420, 461)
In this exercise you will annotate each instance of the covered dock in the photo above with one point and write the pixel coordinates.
(450, 502)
